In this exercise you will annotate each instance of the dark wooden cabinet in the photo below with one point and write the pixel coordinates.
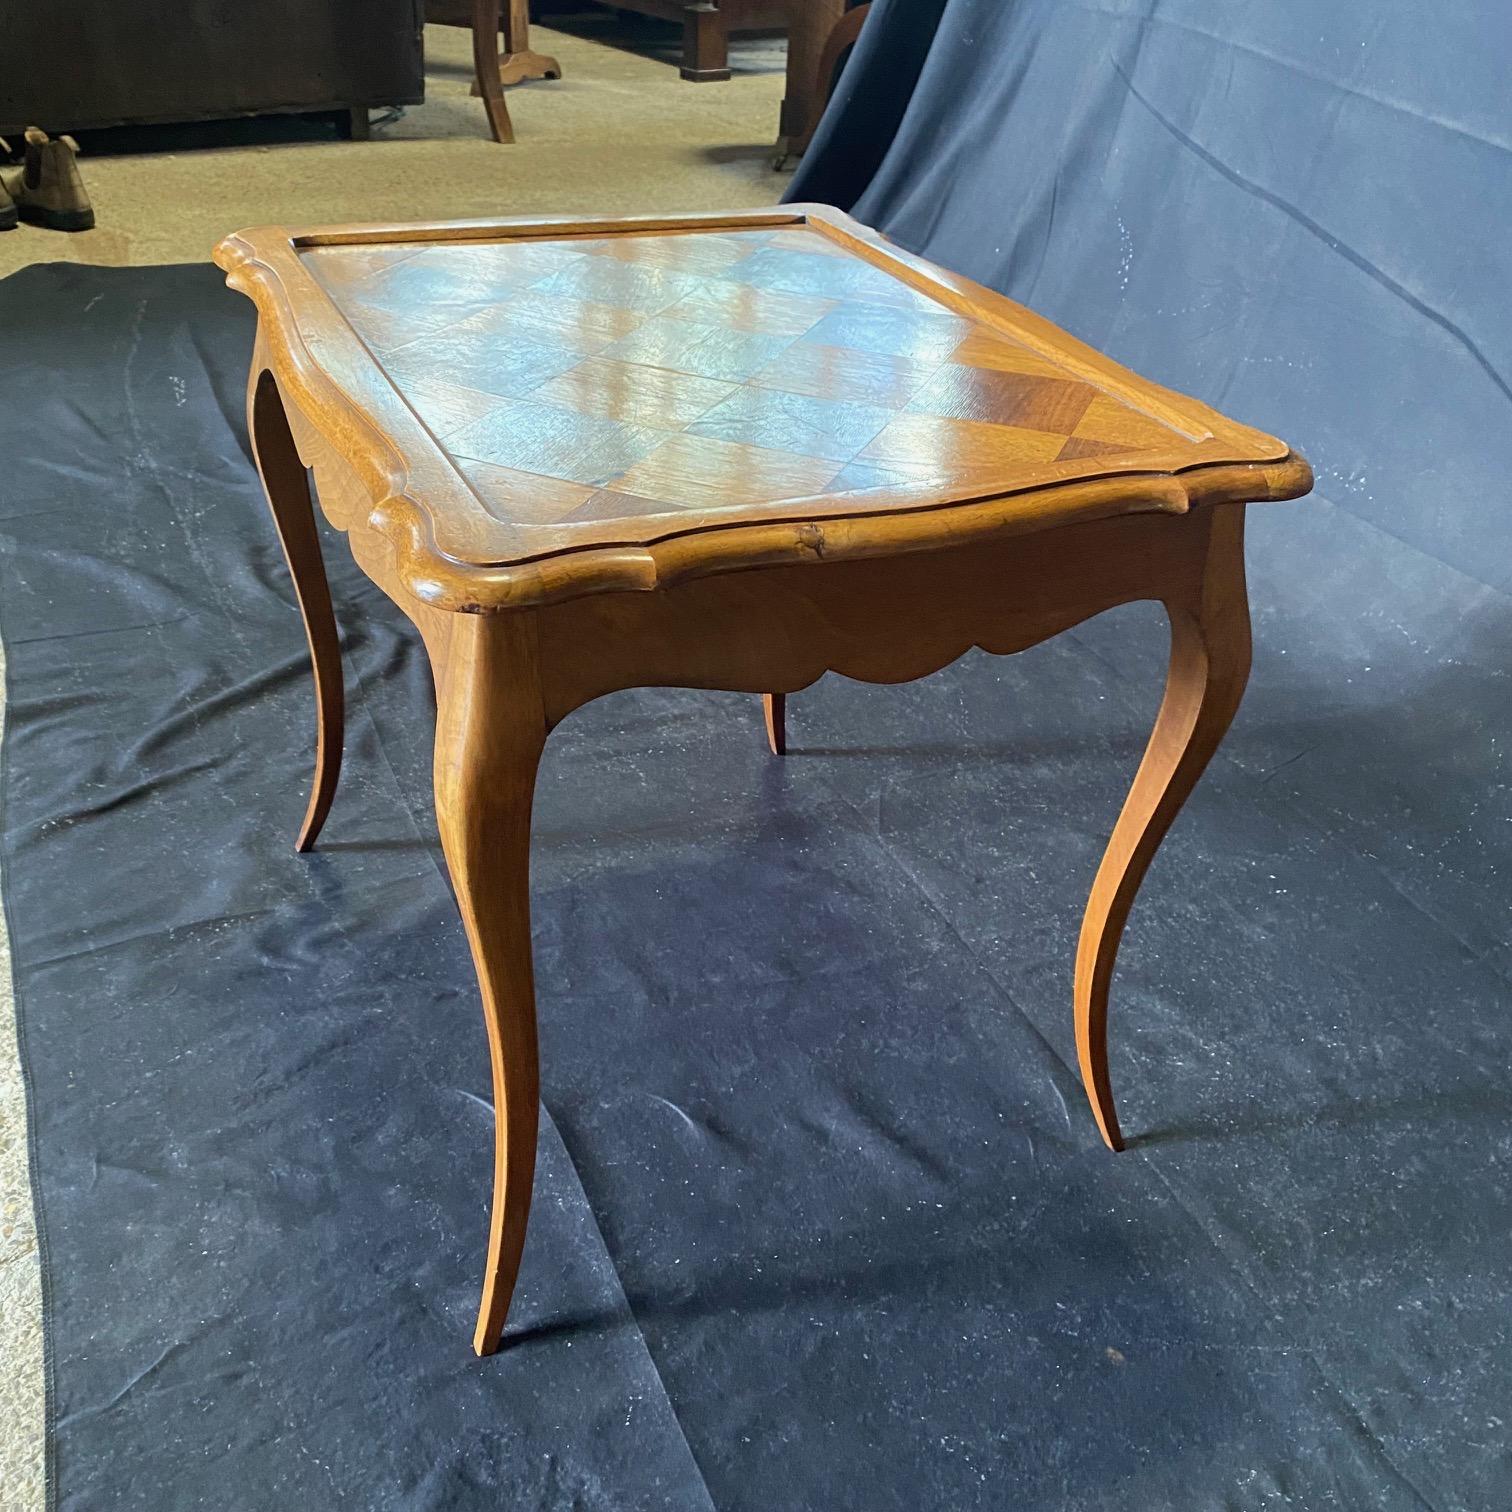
(88, 63)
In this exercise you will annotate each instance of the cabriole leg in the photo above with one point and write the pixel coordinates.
(489, 735)
(288, 488)
(1210, 660)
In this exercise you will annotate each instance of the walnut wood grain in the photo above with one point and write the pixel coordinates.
(569, 453)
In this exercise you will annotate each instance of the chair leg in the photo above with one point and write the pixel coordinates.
(485, 33)
(1209, 666)
(287, 485)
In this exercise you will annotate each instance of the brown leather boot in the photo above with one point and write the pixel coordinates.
(8, 216)
(48, 191)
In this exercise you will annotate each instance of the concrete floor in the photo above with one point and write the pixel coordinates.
(619, 132)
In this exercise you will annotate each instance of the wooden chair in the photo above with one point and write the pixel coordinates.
(493, 71)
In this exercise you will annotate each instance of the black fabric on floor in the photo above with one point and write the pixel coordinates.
(821, 1218)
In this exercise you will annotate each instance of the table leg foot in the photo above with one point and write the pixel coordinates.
(489, 734)
(288, 488)
(521, 67)
(774, 708)
(1210, 659)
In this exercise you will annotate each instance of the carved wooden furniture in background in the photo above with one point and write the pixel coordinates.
(811, 24)
(707, 25)
(838, 41)
(494, 72)
(85, 63)
(720, 452)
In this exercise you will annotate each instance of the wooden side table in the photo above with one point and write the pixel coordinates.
(720, 452)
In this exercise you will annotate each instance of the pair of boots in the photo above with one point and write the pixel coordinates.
(47, 190)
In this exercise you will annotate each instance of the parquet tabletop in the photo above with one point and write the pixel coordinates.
(614, 385)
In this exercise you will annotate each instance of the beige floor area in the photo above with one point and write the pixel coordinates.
(620, 132)
(21, 1381)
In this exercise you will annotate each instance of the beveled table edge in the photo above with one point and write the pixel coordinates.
(321, 363)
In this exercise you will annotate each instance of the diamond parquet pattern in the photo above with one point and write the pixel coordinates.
(576, 383)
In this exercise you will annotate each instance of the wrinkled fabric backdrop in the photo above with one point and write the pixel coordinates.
(1299, 211)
